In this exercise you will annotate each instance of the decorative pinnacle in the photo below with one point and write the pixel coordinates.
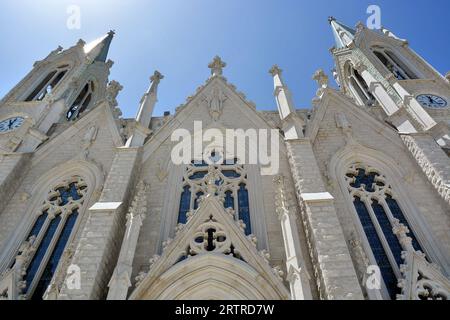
(156, 77)
(111, 32)
(275, 70)
(331, 19)
(216, 66)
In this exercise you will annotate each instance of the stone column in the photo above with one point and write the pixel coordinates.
(99, 245)
(336, 276)
(120, 281)
(295, 266)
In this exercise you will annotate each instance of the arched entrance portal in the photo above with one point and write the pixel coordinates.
(210, 277)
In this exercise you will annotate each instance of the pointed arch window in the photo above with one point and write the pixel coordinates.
(359, 87)
(379, 214)
(394, 64)
(50, 235)
(48, 84)
(232, 188)
(82, 102)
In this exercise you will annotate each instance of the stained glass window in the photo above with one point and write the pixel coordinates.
(377, 214)
(377, 247)
(231, 186)
(52, 233)
(185, 202)
(244, 210)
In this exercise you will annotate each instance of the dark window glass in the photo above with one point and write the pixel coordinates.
(386, 226)
(42, 249)
(244, 208)
(38, 225)
(58, 251)
(377, 248)
(40, 87)
(185, 203)
(81, 103)
(229, 200)
(403, 66)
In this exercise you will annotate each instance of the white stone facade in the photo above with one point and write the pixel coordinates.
(90, 202)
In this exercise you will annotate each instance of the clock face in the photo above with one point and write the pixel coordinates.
(11, 124)
(431, 101)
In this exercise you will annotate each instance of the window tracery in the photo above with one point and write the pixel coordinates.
(82, 102)
(380, 216)
(49, 236)
(48, 84)
(231, 182)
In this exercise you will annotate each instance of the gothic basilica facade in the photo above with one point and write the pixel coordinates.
(93, 207)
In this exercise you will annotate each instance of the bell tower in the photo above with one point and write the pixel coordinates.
(59, 88)
(383, 75)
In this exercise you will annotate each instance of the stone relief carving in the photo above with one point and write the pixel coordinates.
(215, 103)
(112, 91)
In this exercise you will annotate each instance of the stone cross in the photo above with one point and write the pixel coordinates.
(155, 79)
(275, 70)
(216, 66)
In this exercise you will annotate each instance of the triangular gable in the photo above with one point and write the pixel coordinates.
(101, 112)
(211, 230)
(339, 100)
(193, 102)
(422, 280)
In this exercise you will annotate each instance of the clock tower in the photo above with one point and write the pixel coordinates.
(59, 89)
(384, 76)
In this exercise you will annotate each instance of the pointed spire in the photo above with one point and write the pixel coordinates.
(98, 49)
(292, 125)
(216, 66)
(343, 35)
(149, 99)
(145, 112)
(282, 93)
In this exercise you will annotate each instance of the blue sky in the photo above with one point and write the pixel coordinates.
(180, 37)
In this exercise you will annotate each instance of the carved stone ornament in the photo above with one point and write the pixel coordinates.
(215, 103)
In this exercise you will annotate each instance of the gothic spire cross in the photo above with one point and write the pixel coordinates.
(216, 66)
(275, 70)
(155, 79)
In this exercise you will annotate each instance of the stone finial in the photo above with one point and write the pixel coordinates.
(360, 26)
(81, 43)
(216, 66)
(331, 19)
(112, 91)
(155, 79)
(275, 70)
(321, 78)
